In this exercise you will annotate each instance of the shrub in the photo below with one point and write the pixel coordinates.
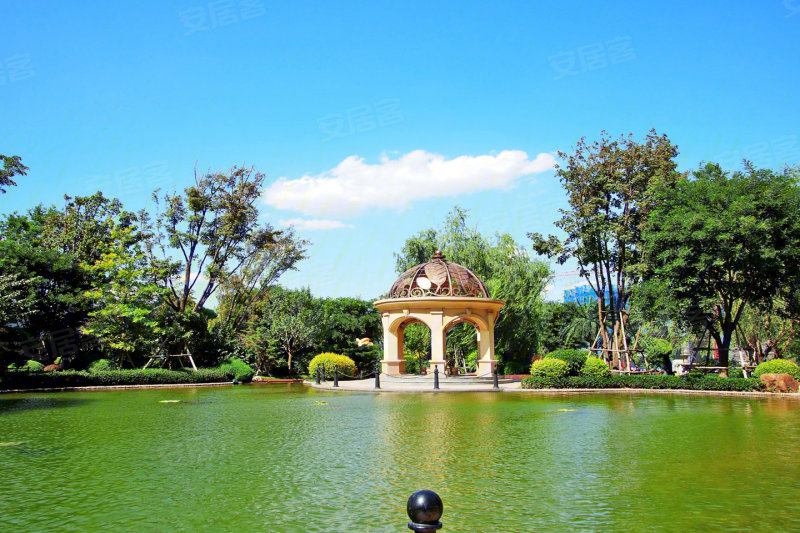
(81, 378)
(327, 361)
(33, 366)
(549, 371)
(102, 365)
(645, 381)
(29, 366)
(573, 358)
(239, 370)
(594, 366)
(777, 366)
(735, 372)
(658, 351)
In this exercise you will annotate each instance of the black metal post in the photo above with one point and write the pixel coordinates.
(496, 384)
(436, 377)
(335, 377)
(378, 376)
(424, 508)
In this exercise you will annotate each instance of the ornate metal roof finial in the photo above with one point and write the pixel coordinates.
(438, 255)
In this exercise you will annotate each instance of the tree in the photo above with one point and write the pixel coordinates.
(242, 291)
(506, 268)
(127, 297)
(344, 320)
(214, 232)
(581, 328)
(12, 166)
(52, 250)
(610, 186)
(767, 332)
(721, 243)
(283, 328)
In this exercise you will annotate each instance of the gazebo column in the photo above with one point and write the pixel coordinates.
(438, 340)
(486, 360)
(393, 364)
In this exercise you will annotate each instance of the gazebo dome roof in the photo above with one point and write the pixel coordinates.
(438, 277)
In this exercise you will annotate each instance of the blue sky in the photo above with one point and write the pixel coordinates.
(371, 120)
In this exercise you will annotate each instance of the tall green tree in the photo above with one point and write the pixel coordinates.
(245, 289)
(720, 243)
(126, 297)
(12, 166)
(508, 271)
(51, 249)
(610, 186)
(210, 233)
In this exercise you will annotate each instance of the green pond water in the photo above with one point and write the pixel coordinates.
(269, 458)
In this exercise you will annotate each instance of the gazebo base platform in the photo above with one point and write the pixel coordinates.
(420, 383)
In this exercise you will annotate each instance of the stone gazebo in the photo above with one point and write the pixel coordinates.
(438, 294)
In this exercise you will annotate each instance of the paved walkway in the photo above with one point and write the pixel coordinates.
(419, 384)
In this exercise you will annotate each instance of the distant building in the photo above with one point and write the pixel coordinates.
(584, 295)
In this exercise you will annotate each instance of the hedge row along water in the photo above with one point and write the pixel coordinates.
(149, 376)
(649, 381)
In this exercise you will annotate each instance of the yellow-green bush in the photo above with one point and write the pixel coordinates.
(327, 361)
(594, 366)
(549, 368)
(777, 366)
(573, 358)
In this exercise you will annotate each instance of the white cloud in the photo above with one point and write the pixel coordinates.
(311, 224)
(353, 185)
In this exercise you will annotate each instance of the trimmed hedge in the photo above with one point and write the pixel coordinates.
(29, 366)
(102, 365)
(241, 370)
(327, 361)
(645, 381)
(81, 378)
(594, 366)
(549, 370)
(573, 358)
(777, 366)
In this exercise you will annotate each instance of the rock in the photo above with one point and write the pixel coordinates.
(780, 382)
(52, 368)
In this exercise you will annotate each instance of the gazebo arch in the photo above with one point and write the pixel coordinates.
(439, 294)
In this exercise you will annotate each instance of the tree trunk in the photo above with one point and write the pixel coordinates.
(616, 346)
(607, 356)
(724, 352)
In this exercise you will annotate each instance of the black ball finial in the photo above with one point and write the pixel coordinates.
(424, 509)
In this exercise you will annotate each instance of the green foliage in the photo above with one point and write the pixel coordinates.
(213, 229)
(12, 166)
(102, 365)
(550, 368)
(645, 381)
(610, 185)
(44, 257)
(33, 366)
(720, 243)
(328, 361)
(125, 321)
(148, 376)
(29, 366)
(416, 361)
(658, 352)
(594, 366)
(241, 371)
(734, 372)
(574, 359)
(555, 318)
(777, 366)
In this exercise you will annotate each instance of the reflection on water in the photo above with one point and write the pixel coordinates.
(274, 458)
